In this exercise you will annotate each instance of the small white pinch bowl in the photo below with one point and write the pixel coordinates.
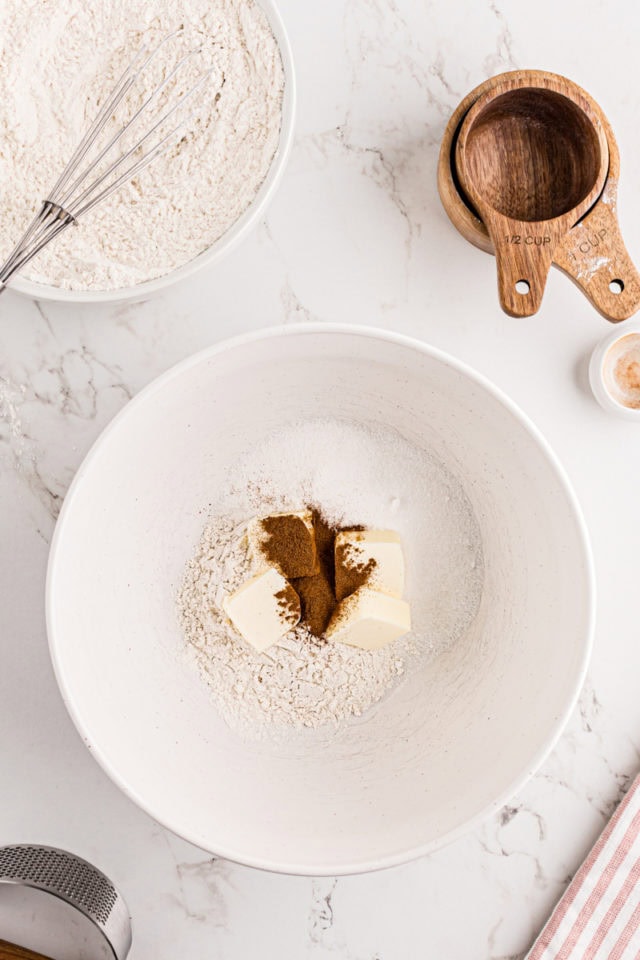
(236, 232)
(600, 382)
(447, 747)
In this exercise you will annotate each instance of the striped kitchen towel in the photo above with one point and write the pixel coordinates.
(598, 918)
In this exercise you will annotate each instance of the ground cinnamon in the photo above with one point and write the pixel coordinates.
(350, 575)
(307, 558)
(317, 593)
(289, 605)
(289, 545)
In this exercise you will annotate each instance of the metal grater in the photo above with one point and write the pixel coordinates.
(76, 882)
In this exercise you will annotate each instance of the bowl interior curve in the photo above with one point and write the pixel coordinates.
(449, 744)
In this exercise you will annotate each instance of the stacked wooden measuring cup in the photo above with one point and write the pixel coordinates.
(528, 170)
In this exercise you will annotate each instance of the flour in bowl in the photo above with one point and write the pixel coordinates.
(298, 683)
(355, 474)
(58, 63)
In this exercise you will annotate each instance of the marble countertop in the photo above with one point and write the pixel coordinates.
(355, 234)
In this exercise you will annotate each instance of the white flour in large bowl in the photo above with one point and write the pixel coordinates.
(356, 474)
(59, 60)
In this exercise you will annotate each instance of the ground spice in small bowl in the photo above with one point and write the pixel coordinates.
(621, 369)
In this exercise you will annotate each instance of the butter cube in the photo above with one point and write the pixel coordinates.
(369, 619)
(263, 609)
(286, 541)
(371, 557)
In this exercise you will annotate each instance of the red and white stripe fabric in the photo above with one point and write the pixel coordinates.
(598, 918)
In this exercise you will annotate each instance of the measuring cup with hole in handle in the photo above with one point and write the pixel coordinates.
(592, 253)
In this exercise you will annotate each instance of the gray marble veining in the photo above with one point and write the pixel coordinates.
(356, 234)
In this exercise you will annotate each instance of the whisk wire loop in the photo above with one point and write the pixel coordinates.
(72, 196)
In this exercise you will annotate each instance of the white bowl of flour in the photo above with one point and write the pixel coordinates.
(192, 205)
(383, 430)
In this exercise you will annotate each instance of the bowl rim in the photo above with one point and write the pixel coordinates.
(532, 764)
(232, 236)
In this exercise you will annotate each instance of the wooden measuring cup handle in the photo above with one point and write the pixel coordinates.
(524, 253)
(10, 951)
(593, 254)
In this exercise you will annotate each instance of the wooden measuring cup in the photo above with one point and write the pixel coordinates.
(593, 254)
(532, 157)
(10, 951)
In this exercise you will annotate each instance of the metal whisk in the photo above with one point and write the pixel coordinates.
(74, 194)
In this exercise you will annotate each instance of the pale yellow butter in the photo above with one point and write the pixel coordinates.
(382, 549)
(263, 609)
(369, 619)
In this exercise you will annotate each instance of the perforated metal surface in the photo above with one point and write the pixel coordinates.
(74, 880)
(63, 874)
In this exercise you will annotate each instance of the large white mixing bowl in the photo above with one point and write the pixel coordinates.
(447, 747)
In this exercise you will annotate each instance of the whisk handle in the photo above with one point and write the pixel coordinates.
(48, 223)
